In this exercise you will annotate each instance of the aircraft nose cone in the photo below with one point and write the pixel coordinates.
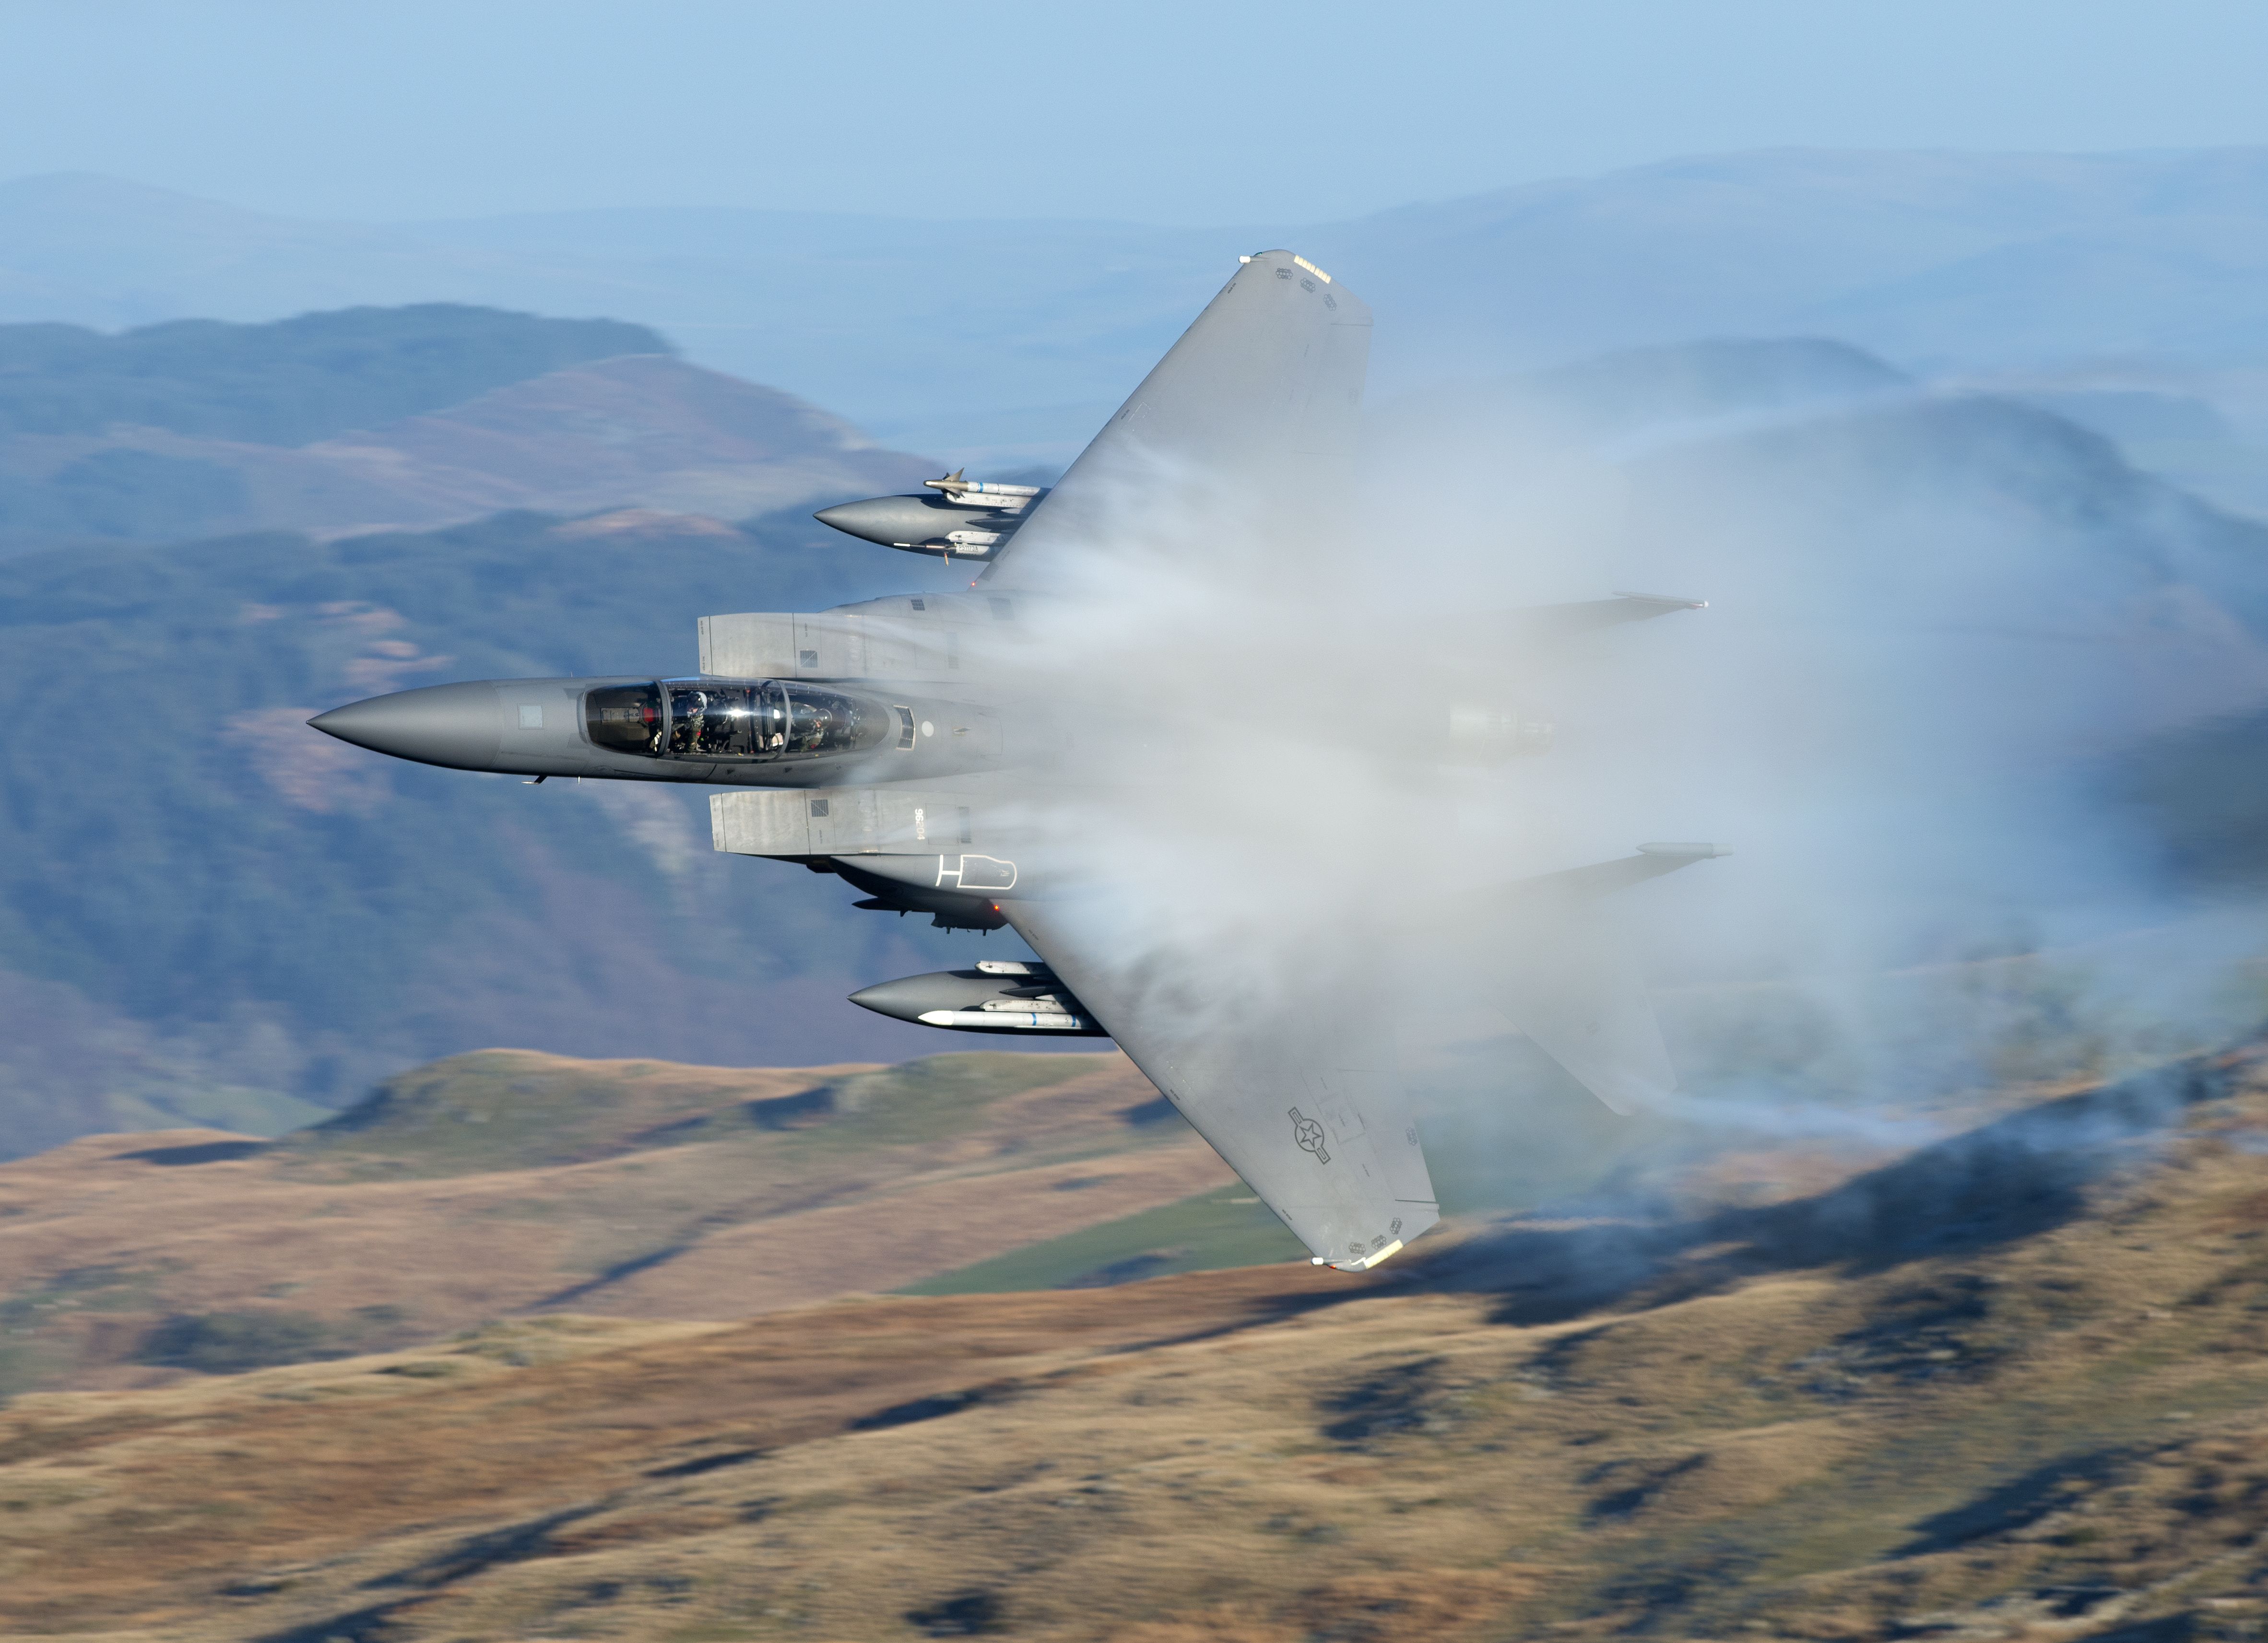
(456, 726)
(873, 520)
(890, 520)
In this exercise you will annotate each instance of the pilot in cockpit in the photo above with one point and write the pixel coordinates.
(687, 724)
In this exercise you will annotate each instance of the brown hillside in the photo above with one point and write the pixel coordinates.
(510, 1181)
(2010, 1386)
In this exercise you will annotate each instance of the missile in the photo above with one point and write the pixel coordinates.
(992, 1019)
(1014, 498)
(999, 995)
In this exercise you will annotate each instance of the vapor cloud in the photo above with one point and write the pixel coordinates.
(1932, 621)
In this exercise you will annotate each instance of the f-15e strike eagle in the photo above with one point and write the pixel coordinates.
(905, 745)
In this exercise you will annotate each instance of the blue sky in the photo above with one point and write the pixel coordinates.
(1169, 112)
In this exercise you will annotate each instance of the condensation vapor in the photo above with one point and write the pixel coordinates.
(1932, 623)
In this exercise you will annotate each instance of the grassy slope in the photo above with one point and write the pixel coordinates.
(1203, 1233)
(2008, 1386)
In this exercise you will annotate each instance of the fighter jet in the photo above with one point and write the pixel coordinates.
(902, 746)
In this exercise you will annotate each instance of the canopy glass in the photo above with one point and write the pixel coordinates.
(716, 719)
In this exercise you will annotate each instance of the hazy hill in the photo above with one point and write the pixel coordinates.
(2006, 1385)
(1693, 385)
(647, 431)
(210, 914)
(1018, 335)
(1936, 260)
(1964, 540)
(873, 317)
(291, 382)
(410, 417)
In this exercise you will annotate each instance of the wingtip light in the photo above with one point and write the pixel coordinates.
(1366, 1263)
(1296, 257)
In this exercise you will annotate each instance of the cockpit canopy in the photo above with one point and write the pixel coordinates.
(716, 719)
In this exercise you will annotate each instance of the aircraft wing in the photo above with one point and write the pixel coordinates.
(1301, 1096)
(1261, 393)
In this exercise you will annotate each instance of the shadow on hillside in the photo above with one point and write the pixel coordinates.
(2003, 1182)
(199, 1152)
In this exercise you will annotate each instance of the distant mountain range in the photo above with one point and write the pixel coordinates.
(291, 382)
(1009, 339)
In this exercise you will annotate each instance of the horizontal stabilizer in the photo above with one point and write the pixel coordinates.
(1565, 890)
(1558, 973)
(1571, 990)
(1557, 621)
